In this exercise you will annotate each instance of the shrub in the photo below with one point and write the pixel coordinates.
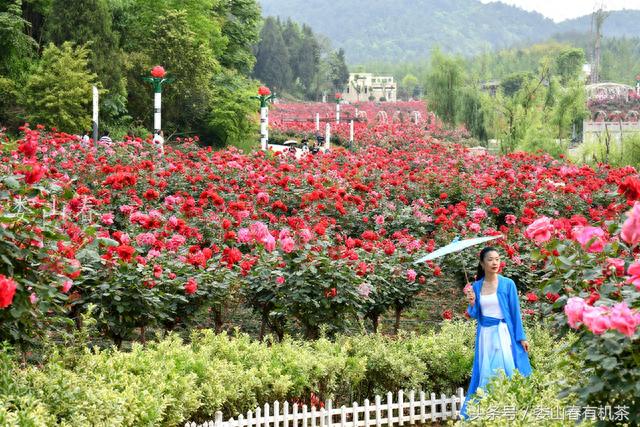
(169, 382)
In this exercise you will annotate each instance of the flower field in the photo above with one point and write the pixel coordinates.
(323, 242)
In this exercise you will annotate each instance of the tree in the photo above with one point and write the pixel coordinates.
(232, 106)
(472, 112)
(513, 82)
(339, 72)
(89, 22)
(272, 58)
(411, 85)
(444, 83)
(308, 60)
(240, 28)
(58, 92)
(187, 100)
(569, 64)
(16, 47)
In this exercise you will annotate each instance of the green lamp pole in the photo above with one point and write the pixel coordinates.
(157, 79)
(338, 99)
(265, 96)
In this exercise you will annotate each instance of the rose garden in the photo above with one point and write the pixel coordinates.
(147, 289)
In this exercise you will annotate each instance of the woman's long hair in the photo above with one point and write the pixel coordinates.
(483, 254)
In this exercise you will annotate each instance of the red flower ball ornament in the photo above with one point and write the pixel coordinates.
(158, 72)
(264, 91)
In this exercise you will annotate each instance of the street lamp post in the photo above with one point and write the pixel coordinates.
(157, 79)
(265, 96)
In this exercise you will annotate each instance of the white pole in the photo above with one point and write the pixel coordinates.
(318, 122)
(96, 113)
(327, 137)
(356, 112)
(338, 112)
(264, 127)
(351, 131)
(157, 111)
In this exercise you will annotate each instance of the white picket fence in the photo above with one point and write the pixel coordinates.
(414, 410)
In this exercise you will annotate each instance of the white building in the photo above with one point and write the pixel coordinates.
(367, 87)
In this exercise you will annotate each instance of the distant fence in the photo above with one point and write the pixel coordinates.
(617, 130)
(416, 409)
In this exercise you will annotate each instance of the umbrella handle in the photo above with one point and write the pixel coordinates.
(464, 268)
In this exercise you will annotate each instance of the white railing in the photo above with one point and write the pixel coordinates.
(415, 410)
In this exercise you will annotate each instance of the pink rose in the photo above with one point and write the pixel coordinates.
(107, 219)
(540, 230)
(143, 239)
(474, 227)
(510, 219)
(478, 215)
(615, 265)
(269, 242)
(379, 219)
(258, 231)
(411, 275)
(287, 245)
(262, 198)
(574, 310)
(634, 272)
(243, 235)
(596, 319)
(623, 319)
(631, 227)
(66, 286)
(279, 280)
(584, 234)
(305, 235)
(284, 233)
(33, 298)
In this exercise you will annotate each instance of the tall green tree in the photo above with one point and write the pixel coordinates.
(339, 72)
(240, 27)
(569, 64)
(58, 92)
(308, 61)
(89, 22)
(444, 83)
(17, 48)
(187, 100)
(272, 57)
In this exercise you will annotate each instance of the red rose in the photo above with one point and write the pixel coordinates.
(552, 296)
(531, 297)
(158, 71)
(447, 314)
(264, 91)
(338, 95)
(125, 252)
(190, 287)
(7, 291)
(330, 293)
(35, 174)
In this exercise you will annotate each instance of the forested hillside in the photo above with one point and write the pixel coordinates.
(407, 30)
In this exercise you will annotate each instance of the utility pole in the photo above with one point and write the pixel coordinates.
(597, 19)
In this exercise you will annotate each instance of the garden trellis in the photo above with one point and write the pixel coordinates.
(415, 409)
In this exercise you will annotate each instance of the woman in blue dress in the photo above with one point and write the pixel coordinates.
(501, 343)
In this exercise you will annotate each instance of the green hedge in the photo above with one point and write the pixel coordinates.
(169, 382)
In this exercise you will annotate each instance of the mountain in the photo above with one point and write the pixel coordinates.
(621, 23)
(407, 30)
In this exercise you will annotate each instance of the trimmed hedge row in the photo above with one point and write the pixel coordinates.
(169, 382)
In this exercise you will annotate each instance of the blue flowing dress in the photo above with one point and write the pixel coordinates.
(493, 336)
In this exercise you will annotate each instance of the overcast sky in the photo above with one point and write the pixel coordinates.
(559, 10)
